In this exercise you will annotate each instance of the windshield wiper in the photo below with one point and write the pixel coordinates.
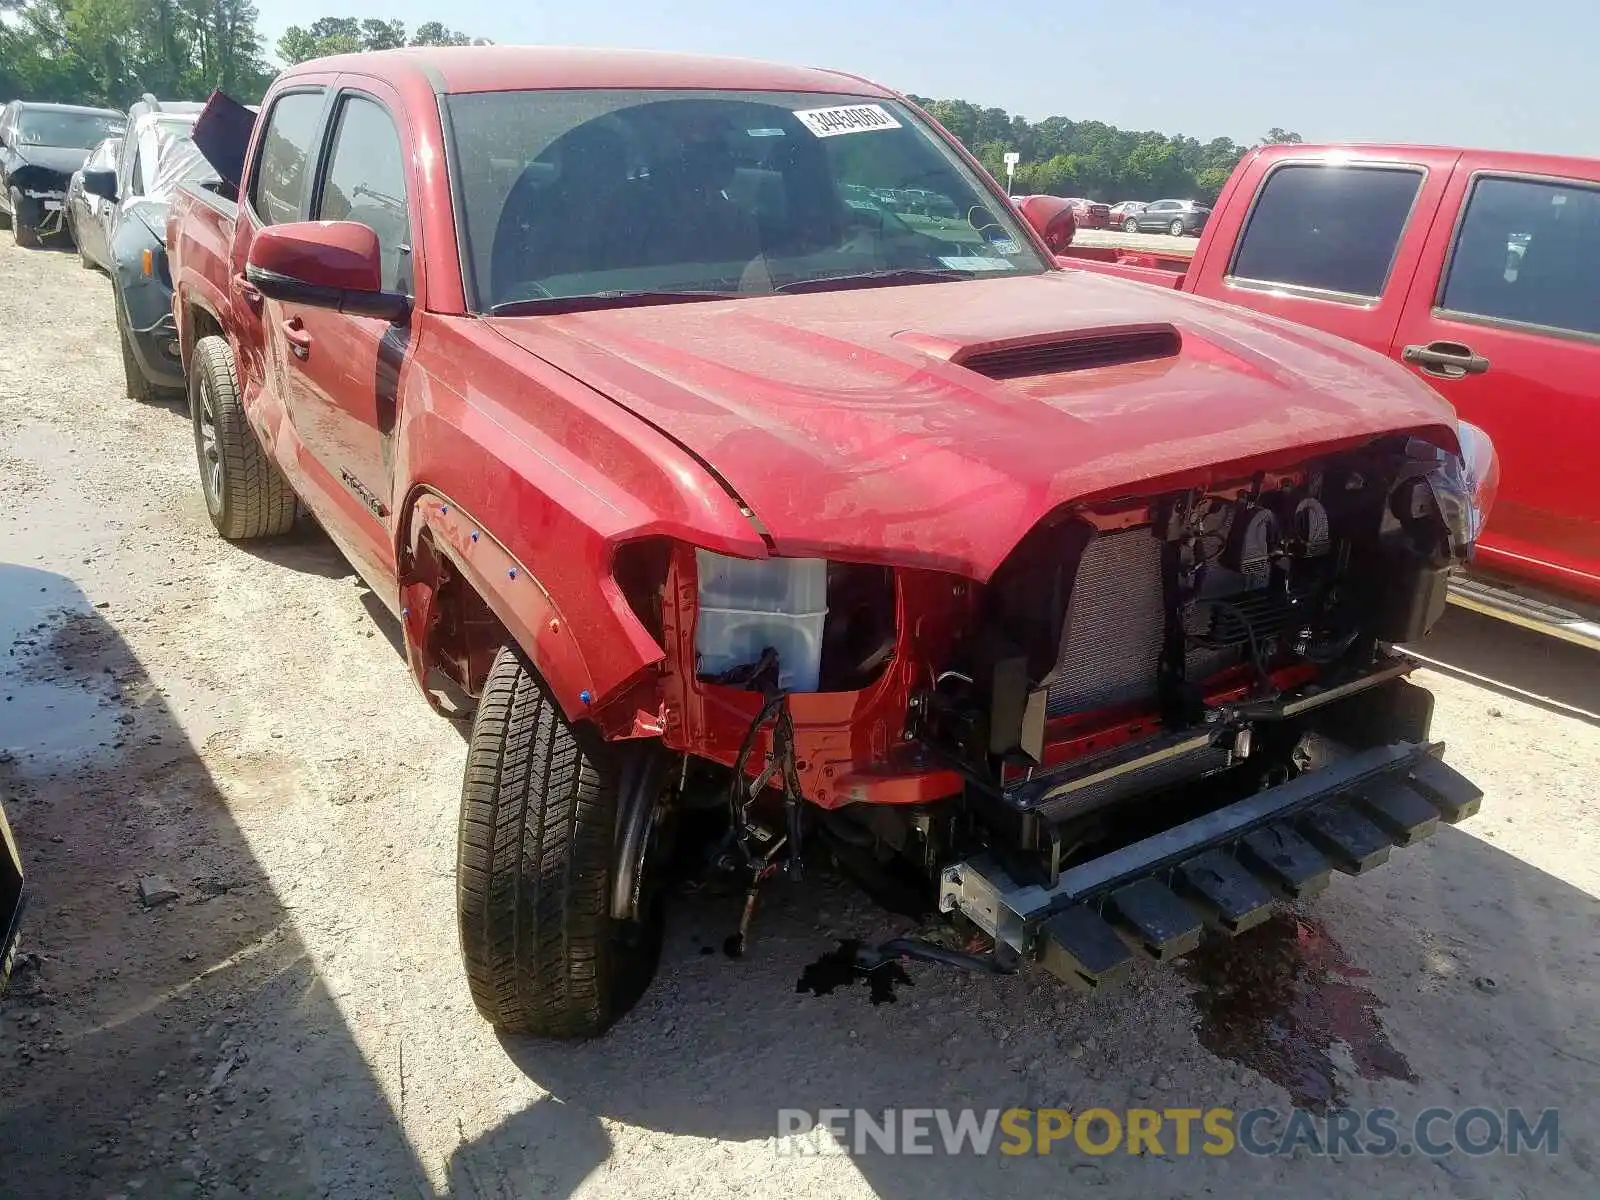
(592, 301)
(890, 278)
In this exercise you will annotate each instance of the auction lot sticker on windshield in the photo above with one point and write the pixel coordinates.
(846, 118)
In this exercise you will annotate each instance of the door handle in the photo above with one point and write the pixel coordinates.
(248, 292)
(294, 332)
(1446, 360)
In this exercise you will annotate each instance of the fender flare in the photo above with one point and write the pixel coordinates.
(186, 302)
(510, 591)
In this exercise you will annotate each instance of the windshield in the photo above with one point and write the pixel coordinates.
(75, 130)
(630, 193)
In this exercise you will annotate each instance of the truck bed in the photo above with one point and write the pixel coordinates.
(1163, 268)
(199, 242)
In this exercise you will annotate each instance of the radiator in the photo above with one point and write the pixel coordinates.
(1111, 641)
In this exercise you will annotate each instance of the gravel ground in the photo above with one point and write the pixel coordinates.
(293, 1021)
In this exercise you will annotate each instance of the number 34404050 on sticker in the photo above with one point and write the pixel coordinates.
(846, 118)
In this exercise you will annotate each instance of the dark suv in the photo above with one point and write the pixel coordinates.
(41, 145)
(1177, 217)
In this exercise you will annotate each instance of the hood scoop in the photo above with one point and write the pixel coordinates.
(1081, 351)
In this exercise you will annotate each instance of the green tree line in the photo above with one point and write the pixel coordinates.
(110, 52)
(1062, 157)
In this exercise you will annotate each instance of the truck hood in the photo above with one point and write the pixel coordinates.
(847, 424)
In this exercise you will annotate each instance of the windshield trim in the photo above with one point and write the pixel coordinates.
(966, 162)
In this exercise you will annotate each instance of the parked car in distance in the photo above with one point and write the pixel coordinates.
(1089, 214)
(155, 157)
(1474, 268)
(1010, 585)
(41, 145)
(1176, 217)
(88, 216)
(1122, 210)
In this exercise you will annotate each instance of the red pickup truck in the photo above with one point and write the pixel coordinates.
(751, 517)
(1478, 270)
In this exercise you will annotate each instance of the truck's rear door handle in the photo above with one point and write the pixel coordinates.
(294, 331)
(1446, 360)
(248, 292)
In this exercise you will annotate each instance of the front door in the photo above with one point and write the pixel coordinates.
(345, 370)
(1505, 323)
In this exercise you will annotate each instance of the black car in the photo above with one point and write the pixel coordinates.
(1177, 217)
(41, 145)
(13, 897)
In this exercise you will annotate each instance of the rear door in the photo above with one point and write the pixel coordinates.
(279, 190)
(1328, 238)
(1504, 321)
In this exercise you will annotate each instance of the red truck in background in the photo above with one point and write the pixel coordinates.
(1480, 270)
(719, 494)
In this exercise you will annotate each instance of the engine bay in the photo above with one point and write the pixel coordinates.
(1134, 664)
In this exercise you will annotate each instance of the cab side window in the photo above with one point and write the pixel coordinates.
(287, 150)
(366, 182)
(1526, 254)
(1330, 229)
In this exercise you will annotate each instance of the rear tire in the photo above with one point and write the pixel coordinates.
(536, 863)
(1130, 226)
(135, 385)
(1176, 229)
(246, 495)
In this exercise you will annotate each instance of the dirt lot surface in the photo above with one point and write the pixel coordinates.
(234, 724)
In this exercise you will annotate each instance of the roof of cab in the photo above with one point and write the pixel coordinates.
(515, 68)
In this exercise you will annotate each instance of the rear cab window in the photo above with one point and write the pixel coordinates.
(287, 154)
(1329, 229)
(1526, 254)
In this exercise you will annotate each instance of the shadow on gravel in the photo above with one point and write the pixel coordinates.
(180, 1047)
(1513, 661)
(305, 549)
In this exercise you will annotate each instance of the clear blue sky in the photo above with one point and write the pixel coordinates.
(1461, 72)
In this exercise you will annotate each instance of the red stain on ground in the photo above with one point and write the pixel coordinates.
(1275, 999)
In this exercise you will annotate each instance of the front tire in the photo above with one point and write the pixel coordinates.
(537, 861)
(1176, 229)
(84, 261)
(1130, 226)
(246, 495)
(134, 384)
(24, 234)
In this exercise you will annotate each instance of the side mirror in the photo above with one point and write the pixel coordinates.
(1052, 219)
(102, 184)
(328, 264)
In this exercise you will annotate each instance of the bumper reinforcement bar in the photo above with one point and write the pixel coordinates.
(1224, 869)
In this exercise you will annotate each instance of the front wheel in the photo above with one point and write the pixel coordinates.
(1176, 229)
(538, 860)
(134, 383)
(1130, 226)
(84, 261)
(246, 495)
(25, 234)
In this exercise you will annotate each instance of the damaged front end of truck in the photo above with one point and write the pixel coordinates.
(1164, 711)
